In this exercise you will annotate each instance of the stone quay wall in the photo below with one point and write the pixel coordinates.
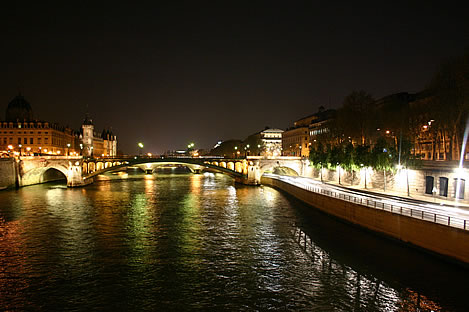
(412, 181)
(449, 242)
(7, 173)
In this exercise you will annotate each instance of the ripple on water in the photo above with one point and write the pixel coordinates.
(200, 242)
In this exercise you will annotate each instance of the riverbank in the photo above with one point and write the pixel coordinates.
(449, 242)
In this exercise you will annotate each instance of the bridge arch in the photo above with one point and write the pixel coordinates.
(91, 167)
(239, 167)
(99, 165)
(44, 174)
(287, 167)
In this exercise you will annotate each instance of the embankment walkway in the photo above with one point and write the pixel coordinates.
(441, 230)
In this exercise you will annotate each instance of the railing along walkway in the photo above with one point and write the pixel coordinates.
(417, 213)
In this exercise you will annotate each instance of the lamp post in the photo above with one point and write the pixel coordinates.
(81, 149)
(19, 145)
(190, 148)
(40, 150)
(68, 149)
(140, 145)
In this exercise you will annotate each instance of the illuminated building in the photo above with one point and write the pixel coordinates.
(96, 145)
(271, 142)
(296, 141)
(319, 127)
(21, 134)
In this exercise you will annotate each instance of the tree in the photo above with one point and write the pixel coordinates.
(348, 157)
(383, 155)
(449, 104)
(356, 117)
(317, 155)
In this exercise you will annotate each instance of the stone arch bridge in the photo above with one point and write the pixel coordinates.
(79, 171)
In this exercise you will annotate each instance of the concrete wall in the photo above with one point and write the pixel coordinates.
(443, 240)
(397, 181)
(7, 173)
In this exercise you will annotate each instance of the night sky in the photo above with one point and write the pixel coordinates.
(169, 74)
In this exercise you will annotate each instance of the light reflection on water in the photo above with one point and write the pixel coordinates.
(200, 242)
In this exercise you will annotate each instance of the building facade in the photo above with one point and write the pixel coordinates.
(296, 141)
(22, 135)
(271, 142)
(97, 145)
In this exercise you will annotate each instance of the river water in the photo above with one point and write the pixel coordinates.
(182, 242)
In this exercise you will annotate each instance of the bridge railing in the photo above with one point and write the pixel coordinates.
(407, 211)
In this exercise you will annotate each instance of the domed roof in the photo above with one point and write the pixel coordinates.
(19, 110)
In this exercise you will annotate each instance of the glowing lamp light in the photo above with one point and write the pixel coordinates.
(149, 154)
(140, 144)
(10, 147)
(459, 170)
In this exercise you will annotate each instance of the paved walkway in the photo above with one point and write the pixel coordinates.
(429, 199)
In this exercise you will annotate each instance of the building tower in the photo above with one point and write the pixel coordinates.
(88, 134)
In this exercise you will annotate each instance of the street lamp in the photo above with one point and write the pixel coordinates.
(68, 149)
(19, 145)
(81, 149)
(140, 145)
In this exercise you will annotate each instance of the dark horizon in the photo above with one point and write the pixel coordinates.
(172, 74)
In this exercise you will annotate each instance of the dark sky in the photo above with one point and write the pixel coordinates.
(171, 73)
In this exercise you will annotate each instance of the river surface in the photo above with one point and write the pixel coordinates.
(178, 242)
